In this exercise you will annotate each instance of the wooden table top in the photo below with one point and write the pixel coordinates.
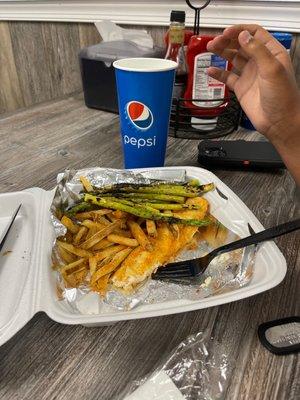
(47, 360)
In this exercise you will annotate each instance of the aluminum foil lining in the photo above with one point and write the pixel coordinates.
(225, 273)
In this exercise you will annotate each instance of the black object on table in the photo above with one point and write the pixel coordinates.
(240, 154)
(281, 336)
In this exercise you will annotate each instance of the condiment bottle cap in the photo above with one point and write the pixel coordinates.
(177, 16)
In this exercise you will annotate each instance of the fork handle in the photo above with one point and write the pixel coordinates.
(262, 236)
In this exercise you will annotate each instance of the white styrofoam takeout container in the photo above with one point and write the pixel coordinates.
(27, 283)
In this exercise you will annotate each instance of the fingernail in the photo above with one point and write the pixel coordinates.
(246, 37)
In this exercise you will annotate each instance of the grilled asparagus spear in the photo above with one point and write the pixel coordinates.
(158, 189)
(146, 212)
(80, 207)
(148, 197)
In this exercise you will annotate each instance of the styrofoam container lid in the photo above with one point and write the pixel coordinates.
(28, 284)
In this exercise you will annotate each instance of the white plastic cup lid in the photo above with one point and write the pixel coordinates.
(145, 64)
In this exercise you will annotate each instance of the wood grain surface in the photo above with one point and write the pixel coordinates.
(88, 35)
(47, 360)
(39, 60)
(11, 97)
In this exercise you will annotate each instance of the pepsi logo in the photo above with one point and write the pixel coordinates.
(139, 114)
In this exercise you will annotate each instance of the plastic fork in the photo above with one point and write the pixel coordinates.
(4, 235)
(196, 267)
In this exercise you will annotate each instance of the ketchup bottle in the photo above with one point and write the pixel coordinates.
(200, 85)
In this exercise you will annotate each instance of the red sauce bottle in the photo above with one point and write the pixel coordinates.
(200, 85)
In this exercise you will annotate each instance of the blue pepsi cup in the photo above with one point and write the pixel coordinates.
(144, 87)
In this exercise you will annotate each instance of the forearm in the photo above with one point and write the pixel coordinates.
(287, 143)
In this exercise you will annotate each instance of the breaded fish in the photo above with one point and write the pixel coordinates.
(140, 264)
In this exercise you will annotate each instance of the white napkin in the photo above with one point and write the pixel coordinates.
(158, 387)
(109, 31)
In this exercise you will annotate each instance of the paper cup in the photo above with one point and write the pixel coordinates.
(144, 87)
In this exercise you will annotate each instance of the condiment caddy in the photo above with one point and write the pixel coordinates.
(202, 106)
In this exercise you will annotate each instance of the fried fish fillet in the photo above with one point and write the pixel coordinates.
(140, 263)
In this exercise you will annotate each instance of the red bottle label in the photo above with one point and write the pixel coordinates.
(200, 85)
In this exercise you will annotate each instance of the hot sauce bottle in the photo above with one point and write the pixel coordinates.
(175, 50)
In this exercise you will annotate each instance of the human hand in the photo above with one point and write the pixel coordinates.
(263, 78)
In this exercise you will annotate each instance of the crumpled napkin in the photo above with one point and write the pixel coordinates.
(109, 31)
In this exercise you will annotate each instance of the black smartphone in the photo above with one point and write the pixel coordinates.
(240, 154)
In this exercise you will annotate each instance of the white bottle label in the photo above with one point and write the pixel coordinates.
(205, 87)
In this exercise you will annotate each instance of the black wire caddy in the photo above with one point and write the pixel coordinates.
(188, 123)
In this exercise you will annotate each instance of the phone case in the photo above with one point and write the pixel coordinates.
(239, 154)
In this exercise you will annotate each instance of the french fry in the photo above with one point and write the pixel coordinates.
(108, 252)
(101, 285)
(56, 267)
(91, 232)
(92, 264)
(69, 224)
(119, 214)
(94, 225)
(86, 184)
(103, 244)
(122, 232)
(80, 234)
(76, 278)
(175, 230)
(151, 228)
(138, 233)
(84, 215)
(103, 220)
(112, 218)
(80, 276)
(71, 268)
(122, 221)
(66, 256)
(69, 237)
(92, 214)
(99, 236)
(103, 211)
(69, 280)
(74, 250)
(114, 238)
(111, 266)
